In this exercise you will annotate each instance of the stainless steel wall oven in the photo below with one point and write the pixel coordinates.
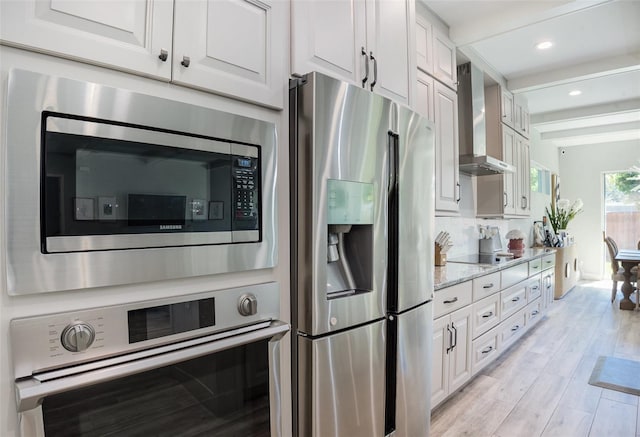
(205, 364)
(106, 186)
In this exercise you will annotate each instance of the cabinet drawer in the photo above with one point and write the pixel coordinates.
(534, 288)
(451, 298)
(484, 350)
(533, 312)
(513, 275)
(535, 266)
(548, 261)
(485, 286)
(511, 329)
(512, 299)
(486, 314)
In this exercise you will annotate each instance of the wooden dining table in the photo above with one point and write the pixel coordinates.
(628, 258)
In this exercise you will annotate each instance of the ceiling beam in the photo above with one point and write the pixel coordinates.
(631, 105)
(575, 73)
(508, 19)
(593, 130)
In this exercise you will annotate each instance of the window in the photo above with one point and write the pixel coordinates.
(540, 179)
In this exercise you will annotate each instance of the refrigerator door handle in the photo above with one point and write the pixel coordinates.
(392, 161)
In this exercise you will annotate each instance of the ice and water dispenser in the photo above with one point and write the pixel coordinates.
(350, 207)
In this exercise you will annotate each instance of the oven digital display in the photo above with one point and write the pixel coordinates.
(164, 320)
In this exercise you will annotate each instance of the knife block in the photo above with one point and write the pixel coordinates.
(440, 258)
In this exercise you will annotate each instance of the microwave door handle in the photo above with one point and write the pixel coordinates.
(31, 392)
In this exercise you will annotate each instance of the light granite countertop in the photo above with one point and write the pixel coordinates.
(455, 273)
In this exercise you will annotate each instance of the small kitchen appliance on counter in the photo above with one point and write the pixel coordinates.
(490, 249)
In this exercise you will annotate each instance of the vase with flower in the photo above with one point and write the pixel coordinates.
(562, 213)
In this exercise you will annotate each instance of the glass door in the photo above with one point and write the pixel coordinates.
(223, 394)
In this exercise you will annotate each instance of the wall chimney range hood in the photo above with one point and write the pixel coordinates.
(473, 158)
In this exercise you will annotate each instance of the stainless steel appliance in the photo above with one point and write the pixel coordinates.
(474, 157)
(362, 224)
(204, 364)
(106, 186)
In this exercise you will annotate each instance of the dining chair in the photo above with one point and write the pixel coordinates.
(617, 272)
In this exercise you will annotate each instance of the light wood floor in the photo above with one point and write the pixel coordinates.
(540, 387)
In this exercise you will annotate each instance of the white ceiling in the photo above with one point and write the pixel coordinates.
(596, 50)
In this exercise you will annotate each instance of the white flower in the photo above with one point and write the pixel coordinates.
(577, 206)
(563, 205)
(515, 234)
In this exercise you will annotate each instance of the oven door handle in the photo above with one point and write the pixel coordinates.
(31, 392)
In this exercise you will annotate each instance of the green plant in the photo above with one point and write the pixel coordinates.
(563, 213)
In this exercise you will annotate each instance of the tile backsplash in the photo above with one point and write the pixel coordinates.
(465, 233)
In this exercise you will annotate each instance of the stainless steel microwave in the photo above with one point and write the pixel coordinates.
(107, 186)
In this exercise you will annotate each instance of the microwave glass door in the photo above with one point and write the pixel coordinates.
(103, 180)
(223, 394)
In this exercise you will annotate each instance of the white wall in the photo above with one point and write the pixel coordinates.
(581, 169)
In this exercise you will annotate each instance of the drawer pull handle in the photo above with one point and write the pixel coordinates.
(536, 267)
(487, 350)
(486, 315)
(454, 300)
(534, 312)
(535, 287)
(515, 299)
(488, 286)
(515, 328)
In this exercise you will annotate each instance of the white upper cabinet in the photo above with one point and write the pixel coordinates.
(364, 42)
(436, 53)
(424, 45)
(446, 150)
(127, 35)
(424, 101)
(235, 48)
(506, 107)
(232, 47)
(329, 37)
(521, 116)
(444, 60)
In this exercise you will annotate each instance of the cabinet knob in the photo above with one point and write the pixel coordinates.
(186, 61)
(163, 55)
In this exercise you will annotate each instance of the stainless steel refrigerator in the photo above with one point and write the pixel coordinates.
(362, 208)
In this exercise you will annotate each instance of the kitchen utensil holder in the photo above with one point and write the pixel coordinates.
(440, 258)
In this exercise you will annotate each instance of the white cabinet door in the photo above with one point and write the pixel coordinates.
(128, 35)
(330, 37)
(440, 360)
(447, 175)
(424, 45)
(507, 108)
(424, 96)
(444, 60)
(232, 47)
(460, 354)
(523, 165)
(389, 41)
(510, 156)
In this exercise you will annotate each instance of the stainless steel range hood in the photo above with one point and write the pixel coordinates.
(473, 158)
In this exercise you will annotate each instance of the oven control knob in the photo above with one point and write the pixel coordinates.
(247, 305)
(78, 336)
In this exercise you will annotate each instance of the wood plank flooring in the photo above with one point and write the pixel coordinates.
(539, 387)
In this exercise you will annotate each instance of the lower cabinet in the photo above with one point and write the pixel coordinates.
(451, 353)
(567, 269)
(511, 329)
(484, 349)
(478, 320)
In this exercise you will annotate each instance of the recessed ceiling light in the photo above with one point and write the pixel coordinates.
(544, 45)
(575, 93)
